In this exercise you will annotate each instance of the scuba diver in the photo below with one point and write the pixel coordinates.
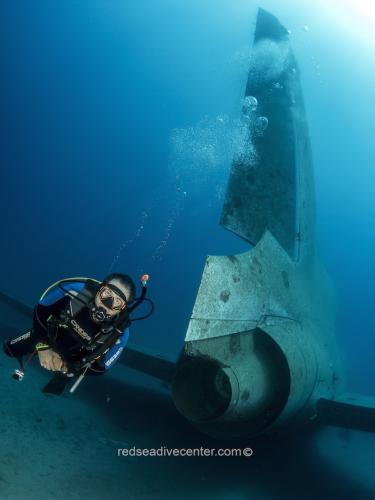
(80, 328)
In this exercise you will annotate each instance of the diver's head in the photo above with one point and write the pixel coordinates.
(113, 297)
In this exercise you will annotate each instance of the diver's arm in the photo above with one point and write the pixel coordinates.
(46, 314)
(45, 318)
(51, 360)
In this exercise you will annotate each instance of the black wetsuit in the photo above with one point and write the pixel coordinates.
(65, 324)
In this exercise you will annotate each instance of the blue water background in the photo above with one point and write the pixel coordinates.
(92, 93)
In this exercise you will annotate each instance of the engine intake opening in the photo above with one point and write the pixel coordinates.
(201, 389)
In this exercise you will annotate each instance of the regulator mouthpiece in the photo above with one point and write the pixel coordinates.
(99, 314)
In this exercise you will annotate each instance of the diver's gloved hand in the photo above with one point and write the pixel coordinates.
(50, 360)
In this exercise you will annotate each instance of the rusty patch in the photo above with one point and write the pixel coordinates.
(234, 344)
(224, 296)
(284, 274)
(232, 258)
(245, 396)
(256, 262)
(256, 266)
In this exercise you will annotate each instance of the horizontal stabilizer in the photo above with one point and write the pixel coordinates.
(352, 411)
(146, 361)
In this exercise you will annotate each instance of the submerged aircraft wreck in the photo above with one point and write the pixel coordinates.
(260, 351)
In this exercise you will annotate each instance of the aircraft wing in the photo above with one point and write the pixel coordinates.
(352, 411)
(148, 361)
(16, 305)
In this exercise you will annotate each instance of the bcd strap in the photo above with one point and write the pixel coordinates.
(98, 353)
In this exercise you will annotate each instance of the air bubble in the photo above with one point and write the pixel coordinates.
(250, 104)
(260, 125)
